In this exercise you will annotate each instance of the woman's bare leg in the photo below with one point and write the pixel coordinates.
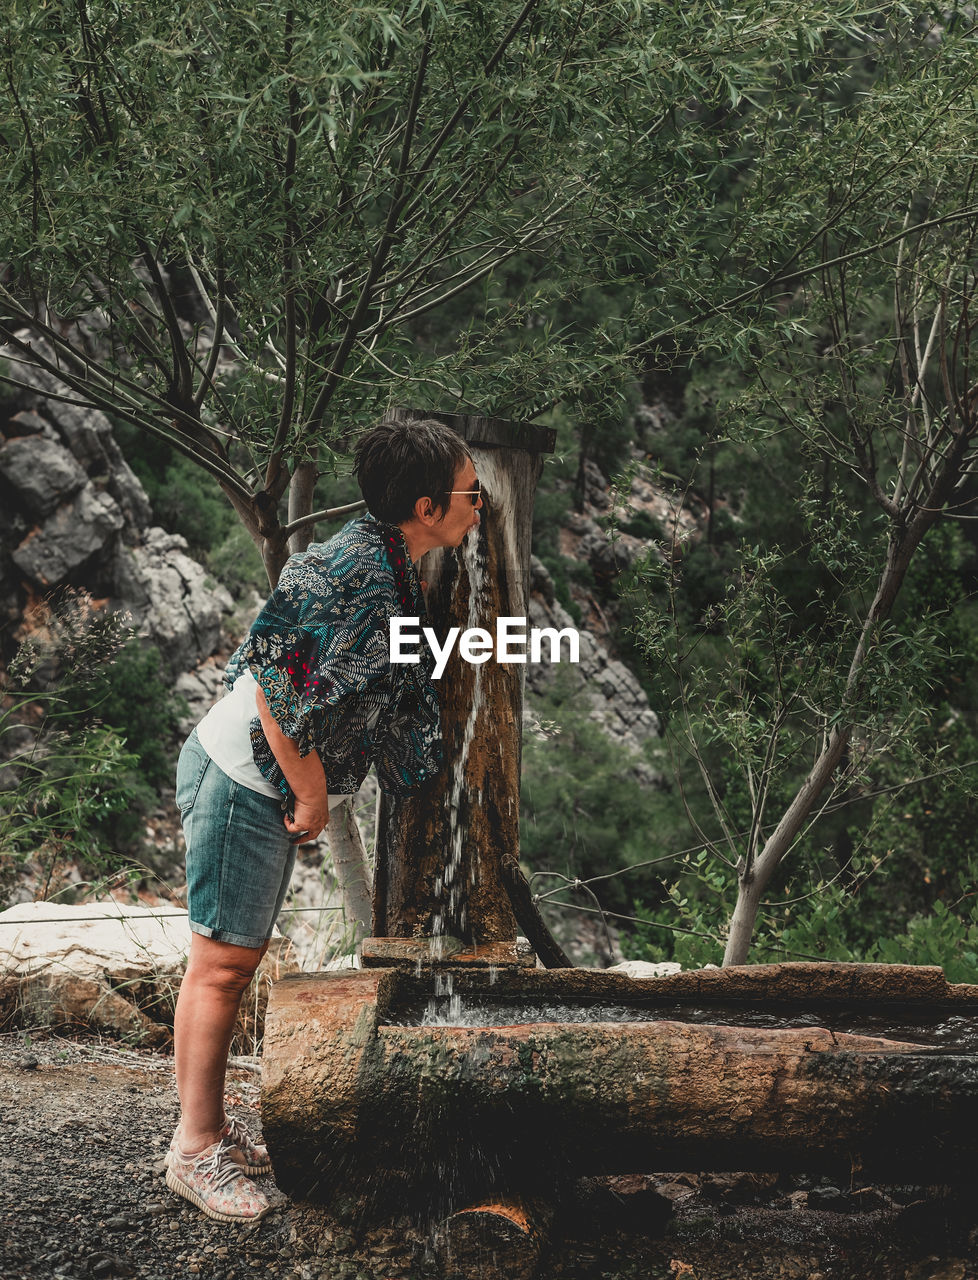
(217, 975)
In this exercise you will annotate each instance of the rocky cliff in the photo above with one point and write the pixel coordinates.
(73, 514)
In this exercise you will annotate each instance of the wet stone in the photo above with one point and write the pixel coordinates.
(832, 1198)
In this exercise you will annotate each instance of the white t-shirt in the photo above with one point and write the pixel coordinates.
(225, 734)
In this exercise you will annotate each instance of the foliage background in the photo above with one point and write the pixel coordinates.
(744, 218)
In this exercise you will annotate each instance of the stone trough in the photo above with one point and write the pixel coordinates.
(820, 1068)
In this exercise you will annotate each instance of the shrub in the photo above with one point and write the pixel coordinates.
(62, 775)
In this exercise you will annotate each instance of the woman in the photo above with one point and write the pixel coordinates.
(313, 701)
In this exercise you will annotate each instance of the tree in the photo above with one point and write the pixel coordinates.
(873, 368)
(230, 227)
(222, 222)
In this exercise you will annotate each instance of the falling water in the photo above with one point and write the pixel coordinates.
(449, 904)
(474, 562)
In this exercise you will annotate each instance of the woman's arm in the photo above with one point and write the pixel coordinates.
(304, 775)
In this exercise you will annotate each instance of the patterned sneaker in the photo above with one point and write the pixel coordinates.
(252, 1158)
(213, 1181)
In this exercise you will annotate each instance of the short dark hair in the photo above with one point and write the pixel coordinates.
(396, 463)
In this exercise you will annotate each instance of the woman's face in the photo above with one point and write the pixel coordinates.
(460, 516)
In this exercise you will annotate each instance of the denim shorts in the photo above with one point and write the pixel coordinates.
(239, 855)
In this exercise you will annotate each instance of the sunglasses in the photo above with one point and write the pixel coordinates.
(474, 494)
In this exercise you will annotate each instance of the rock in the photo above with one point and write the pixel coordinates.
(75, 513)
(829, 1197)
(43, 473)
(615, 700)
(595, 486)
(200, 689)
(581, 524)
(25, 423)
(738, 1188)
(643, 969)
(172, 599)
(87, 434)
(677, 1190)
(76, 532)
(608, 557)
(637, 1201)
(113, 966)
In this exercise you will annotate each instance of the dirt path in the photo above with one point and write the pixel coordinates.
(84, 1126)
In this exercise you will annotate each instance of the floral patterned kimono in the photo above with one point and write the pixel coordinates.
(320, 651)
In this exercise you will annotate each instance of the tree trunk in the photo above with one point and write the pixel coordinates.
(301, 493)
(351, 867)
(754, 877)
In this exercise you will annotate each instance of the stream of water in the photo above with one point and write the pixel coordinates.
(450, 910)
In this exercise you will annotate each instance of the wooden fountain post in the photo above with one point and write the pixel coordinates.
(448, 859)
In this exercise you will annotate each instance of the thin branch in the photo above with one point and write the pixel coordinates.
(427, 259)
(37, 192)
(111, 383)
(182, 387)
(777, 279)
(210, 369)
(317, 516)
(655, 924)
(463, 106)
(276, 477)
(399, 317)
(171, 436)
(269, 374)
(609, 875)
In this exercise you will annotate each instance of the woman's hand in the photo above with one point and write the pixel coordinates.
(309, 819)
(304, 775)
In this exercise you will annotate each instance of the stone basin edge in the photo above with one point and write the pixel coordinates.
(794, 982)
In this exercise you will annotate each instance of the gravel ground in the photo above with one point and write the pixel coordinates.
(84, 1126)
